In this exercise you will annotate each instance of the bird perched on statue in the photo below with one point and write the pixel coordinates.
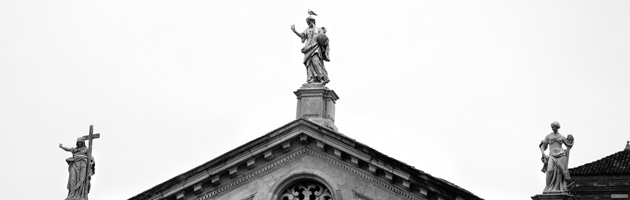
(310, 12)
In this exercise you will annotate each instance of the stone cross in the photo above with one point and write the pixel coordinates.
(90, 137)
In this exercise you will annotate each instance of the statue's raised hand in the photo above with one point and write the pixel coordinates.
(64, 148)
(293, 27)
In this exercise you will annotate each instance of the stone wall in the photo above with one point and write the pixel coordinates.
(600, 187)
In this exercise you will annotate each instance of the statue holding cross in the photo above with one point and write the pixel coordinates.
(80, 167)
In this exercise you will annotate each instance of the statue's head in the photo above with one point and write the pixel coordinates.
(80, 142)
(555, 125)
(310, 20)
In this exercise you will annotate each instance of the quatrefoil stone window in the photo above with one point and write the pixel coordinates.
(306, 190)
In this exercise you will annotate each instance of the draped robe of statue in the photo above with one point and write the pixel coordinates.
(556, 167)
(78, 188)
(315, 51)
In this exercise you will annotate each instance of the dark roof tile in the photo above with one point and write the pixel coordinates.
(615, 164)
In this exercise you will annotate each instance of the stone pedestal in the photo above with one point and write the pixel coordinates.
(317, 103)
(554, 196)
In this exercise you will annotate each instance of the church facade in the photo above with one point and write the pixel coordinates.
(306, 159)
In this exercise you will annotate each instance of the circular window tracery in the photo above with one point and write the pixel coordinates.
(306, 190)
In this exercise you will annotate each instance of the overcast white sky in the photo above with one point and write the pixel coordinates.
(463, 90)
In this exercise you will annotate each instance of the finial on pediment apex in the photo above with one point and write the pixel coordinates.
(627, 146)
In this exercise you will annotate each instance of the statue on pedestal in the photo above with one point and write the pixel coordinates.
(315, 50)
(81, 167)
(555, 165)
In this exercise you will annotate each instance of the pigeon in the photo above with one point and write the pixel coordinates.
(310, 12)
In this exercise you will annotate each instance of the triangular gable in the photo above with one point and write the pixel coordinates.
(392, 174)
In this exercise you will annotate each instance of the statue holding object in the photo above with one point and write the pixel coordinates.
(315, 50)
(81, 167)
(555, 165)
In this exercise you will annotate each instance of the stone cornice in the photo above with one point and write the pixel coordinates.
(231, 185)
(365, 176)
(345, 149)
(253, 175)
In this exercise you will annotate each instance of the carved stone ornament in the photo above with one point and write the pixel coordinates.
(306, 190)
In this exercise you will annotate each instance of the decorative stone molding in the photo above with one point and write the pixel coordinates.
(359, 196)
(321, 176)
(306, 190)
(389, 176)
(372, 168)
(328, 147)
(406, 184)
(304, 139)
(249, 197)
(367, 177)
(251, 162)
(320, 144)
(424, 191)
(233, 171)
(215, 179)
(231, 185)
(197, 189)
(354, 160)
(337, 152)
(180, 196)
(268, 155)
(286, 146)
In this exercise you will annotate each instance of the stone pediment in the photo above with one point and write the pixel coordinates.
(299, 149)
